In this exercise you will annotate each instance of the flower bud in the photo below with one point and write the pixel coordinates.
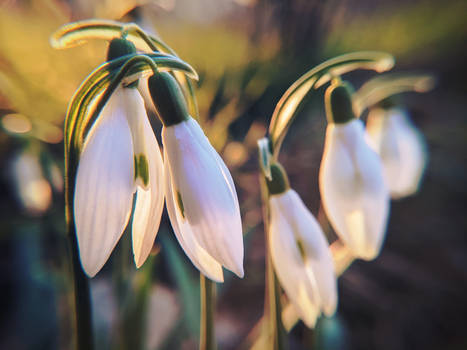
(279, 182)
(119, 47)
(168, 99)
(338, 101)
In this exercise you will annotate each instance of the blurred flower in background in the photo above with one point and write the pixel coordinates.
(401, 148)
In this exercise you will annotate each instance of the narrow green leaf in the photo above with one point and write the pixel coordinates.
(289, 103)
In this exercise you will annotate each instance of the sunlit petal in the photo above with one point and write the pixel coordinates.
(353, 190)
(301, 257)
(104, 186)
(401, 148)
(186, 237)
(204, 188)
(150, 197)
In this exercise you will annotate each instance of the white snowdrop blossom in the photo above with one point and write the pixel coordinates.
(354, 194)
(120, 160)
(401, 147)
(301, 257)
(353, 191)
(202, 201)
(120, 157)
(201, 198)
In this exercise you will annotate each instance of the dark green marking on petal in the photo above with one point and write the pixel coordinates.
(180, 204)
(301, 248)
(141, 168)
(135, 162)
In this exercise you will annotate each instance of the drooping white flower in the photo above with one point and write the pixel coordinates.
(120, 156)
(202, 201)
(401, 147)
(201, 198)
(301, 255)
(354, 194)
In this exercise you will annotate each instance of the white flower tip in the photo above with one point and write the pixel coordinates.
(310, 320)
(140, 259)
(368, 254)
(90, 269)
(239, 271)
(329, 309)
(218, 278)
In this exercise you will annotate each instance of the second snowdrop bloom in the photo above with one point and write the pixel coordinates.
(354, 194)
(401, 147)
(300, 252)
(201, 198)
(120, 157)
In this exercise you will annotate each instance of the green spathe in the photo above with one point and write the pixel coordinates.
(338, 101)
(279, 182)
(168, 99)
(119, 47)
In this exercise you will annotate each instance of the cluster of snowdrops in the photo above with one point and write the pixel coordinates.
(116, 170)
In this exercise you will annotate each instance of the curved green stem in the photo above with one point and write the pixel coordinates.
(384, 86)
(76, 33)
(289, 104)
(83, 125)
(207, 339)
(82, 299)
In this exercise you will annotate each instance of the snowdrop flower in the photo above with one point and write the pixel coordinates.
(401, 148)
(120, 157)
(201, 198)
(354, 194)
(300, 252)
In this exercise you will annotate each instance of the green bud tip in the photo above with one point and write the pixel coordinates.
(338, 102)
(168, 99)
(279, 182)
(119, 47)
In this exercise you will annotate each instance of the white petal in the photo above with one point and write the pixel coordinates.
(149, 201)
(186, 237)
(206, 189)
(401, 147)
(309, 281)
(104, 186)
(353, 190)
(320, 262)
(144, 91)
